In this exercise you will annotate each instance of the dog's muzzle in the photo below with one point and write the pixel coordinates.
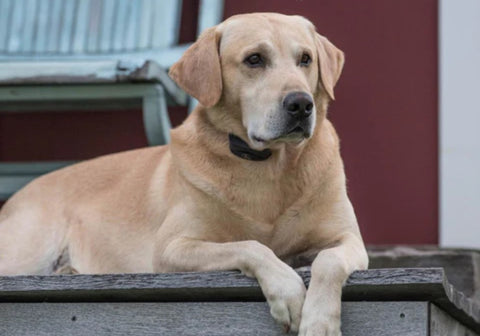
(299, 107)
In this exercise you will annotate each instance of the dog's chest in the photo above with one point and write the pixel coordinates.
(261, 199)
(269, 211)
(284, 235)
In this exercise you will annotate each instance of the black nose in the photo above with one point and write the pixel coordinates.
(298, 104)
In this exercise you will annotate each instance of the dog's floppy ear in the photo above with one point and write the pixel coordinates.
(198, 72)
(330, 63)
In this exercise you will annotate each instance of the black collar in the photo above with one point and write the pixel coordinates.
(241, 149)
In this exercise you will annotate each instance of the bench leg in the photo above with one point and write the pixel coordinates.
(155, 117)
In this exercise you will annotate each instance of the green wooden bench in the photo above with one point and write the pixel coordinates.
(99, 51)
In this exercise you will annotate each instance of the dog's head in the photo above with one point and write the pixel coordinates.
(272, 71)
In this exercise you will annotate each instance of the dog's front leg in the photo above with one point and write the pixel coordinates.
(281, 285)
(330, 270)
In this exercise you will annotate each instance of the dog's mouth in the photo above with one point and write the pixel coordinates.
(296, 130)
(258, 139)
(295, 135)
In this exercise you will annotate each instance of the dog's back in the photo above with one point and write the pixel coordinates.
(31, 242)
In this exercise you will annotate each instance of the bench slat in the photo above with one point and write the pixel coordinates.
(5, 9)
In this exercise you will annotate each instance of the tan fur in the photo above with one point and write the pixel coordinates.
(202, 63)
(331, 61)
(193, 205)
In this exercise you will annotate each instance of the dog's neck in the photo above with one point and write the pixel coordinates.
(200, 151)
(241, 149)
(228, 126)
(211, 135)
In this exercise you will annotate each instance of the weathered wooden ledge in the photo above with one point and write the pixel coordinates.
(417, 301)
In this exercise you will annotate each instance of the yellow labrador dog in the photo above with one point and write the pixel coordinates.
(252, 179)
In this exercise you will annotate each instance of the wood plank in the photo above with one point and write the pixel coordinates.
(94, 26)
(81, 27)
(91, 105)
(82, 72)
(29, 20)
(16, 27)
(15, 175)
(156, 119)
(166, 23)
(119, 25)
(163, 57)
(385, 284)
(74, 92)
(431, 284)
(152, 72)
(198, 318)
(58, 72)
(384, 318)
(5, 20)
(55, 23)
(462, 267)
(10, 184)
(68, 23)
(31, 168)
(146, 14)
(210, 14)
(106, 31)
(442, 324)
(41, 27)
(371, 285)
(132, 25)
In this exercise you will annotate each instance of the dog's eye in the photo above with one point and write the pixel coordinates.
(254, 61)
(306, 60)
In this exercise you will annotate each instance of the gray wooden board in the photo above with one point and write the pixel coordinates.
(460, 266)
(198, 318)
(84, 105)
(106, 92)
(442, 324)
(164, 57)
(372, 285)
(359, 286)
(87, 72)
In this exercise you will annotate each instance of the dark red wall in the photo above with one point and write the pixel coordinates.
(385, 113)
(386, 108)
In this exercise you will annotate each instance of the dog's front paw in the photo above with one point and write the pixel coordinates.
(285, 294)
(321, 314)
(320, 326)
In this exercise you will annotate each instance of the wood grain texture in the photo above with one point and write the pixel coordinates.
(372, 285)
(461, 266)
(198, 318)
(86, 72)
(5, 9)
(442, 324)
(86, 26)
